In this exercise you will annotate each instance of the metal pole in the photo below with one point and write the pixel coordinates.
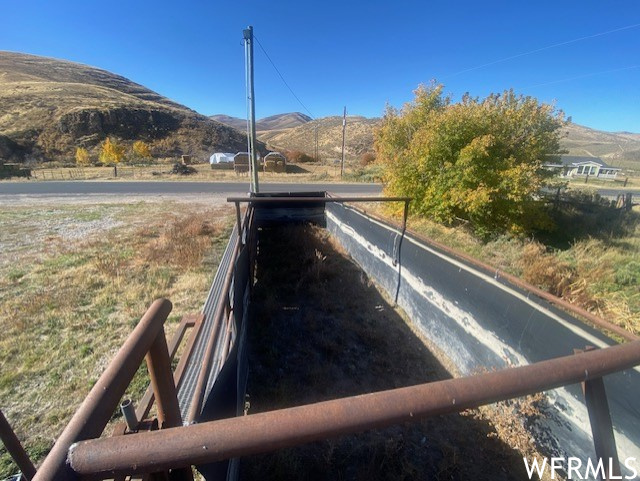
(344, 128)
(164, 389)
(253, 159)
(604, 441)
(15, 449)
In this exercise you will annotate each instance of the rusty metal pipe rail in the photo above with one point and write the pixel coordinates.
(228, 438)
(96, 410)
(15, 448)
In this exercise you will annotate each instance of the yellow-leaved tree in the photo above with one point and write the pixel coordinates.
(111, 152)
(478, 160)
(141, 150)
(82, 156)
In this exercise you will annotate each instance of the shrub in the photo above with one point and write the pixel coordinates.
(82, 156)
(367, 158)
(141, 150)
(298, 157)
(479, 161)
(111, 152)
(545, 270)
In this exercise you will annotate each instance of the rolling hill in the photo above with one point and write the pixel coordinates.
(358, 139)
(49, 107)
(621, 149)
(274, 122)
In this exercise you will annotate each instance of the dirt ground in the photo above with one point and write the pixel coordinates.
(324, 332)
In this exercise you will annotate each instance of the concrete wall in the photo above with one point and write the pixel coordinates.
(479, 321)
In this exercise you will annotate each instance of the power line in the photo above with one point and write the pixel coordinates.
(593, 74)
(282, 78)
(542, 49)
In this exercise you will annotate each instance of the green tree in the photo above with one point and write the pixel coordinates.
(82, 156)
(477, 160)
(111, 152)
(141, 150)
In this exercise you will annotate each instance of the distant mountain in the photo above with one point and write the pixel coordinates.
(49, 107)
(282, 121)
(620, 149)
(274, 122)
(228, 120)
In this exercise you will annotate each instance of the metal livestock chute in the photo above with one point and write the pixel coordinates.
(477, 316)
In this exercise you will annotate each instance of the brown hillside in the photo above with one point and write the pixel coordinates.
(621, 149)
(358, 139)
(617, 148)
(48, 107)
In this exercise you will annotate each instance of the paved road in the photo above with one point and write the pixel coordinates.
(153, 188)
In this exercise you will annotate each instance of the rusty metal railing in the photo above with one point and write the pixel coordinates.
(15, 449)
(146, 340)
(258, 433)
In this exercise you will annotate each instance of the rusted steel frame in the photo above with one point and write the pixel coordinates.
(601, 426)
(15, 449)
(187, 321)
(238, 221)
(96, 410)
(164, 389)
(325, 200)
(516, 281)
(257, 433)
(196, 323)
(203, 375)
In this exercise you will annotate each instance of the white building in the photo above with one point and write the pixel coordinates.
(576, 166)
(221, 158)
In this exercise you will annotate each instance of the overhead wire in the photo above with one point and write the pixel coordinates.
(593, 74)
(282, 78)
(567, 42)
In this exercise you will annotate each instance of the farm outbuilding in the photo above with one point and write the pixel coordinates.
(221, 158)
(275, 162)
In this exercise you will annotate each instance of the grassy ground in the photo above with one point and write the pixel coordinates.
(312, 172)
(74, 281)
(591, 260)
(324, 331)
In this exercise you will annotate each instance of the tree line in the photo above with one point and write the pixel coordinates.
(113, 152)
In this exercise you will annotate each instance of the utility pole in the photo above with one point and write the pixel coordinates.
(344, 128)
(251, 128)
(316, 142)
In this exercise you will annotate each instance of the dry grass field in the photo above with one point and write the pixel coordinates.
(74, 281)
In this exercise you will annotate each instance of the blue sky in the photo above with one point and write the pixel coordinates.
(359, 54)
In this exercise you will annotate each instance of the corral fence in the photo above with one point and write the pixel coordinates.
(164, 446)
